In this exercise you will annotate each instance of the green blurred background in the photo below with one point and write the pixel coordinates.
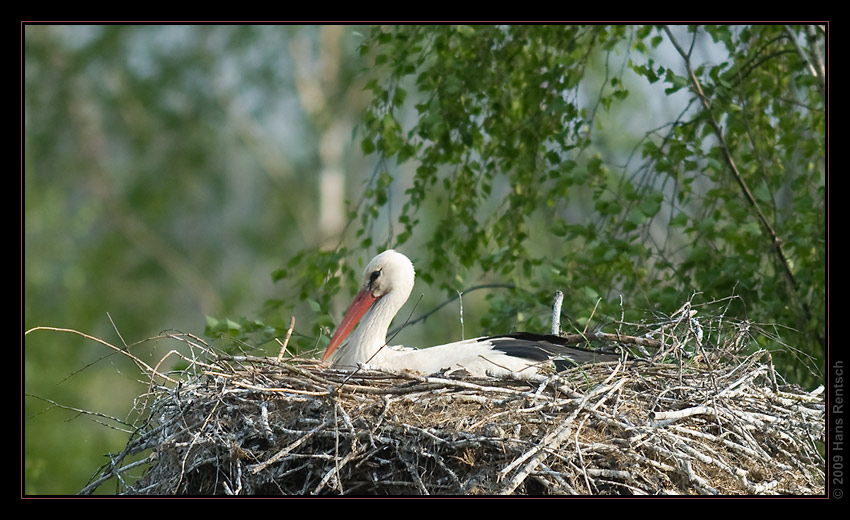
(168, 170)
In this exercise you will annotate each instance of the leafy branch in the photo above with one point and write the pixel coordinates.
(739, 179)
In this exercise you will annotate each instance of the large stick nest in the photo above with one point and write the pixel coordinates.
(686, 421)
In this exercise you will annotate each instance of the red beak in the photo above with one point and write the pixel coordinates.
(362, 302)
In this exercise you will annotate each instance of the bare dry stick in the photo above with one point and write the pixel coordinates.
(556, 313)
(286, 339)
(141, 364)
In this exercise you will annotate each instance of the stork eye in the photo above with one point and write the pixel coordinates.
(374, 276)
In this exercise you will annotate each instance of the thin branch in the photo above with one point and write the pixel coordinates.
(450, 300)
(286, 340)
(141, 364)
(813, 62)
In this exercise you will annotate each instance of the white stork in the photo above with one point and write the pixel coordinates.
(387, 283)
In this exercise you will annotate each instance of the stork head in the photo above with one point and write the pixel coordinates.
(388, 272)
(389, 276)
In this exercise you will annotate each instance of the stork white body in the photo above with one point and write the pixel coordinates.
(387, 283)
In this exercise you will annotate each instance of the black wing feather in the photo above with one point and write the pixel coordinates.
(542, 347)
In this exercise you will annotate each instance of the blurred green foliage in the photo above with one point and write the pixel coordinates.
(168, 170)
